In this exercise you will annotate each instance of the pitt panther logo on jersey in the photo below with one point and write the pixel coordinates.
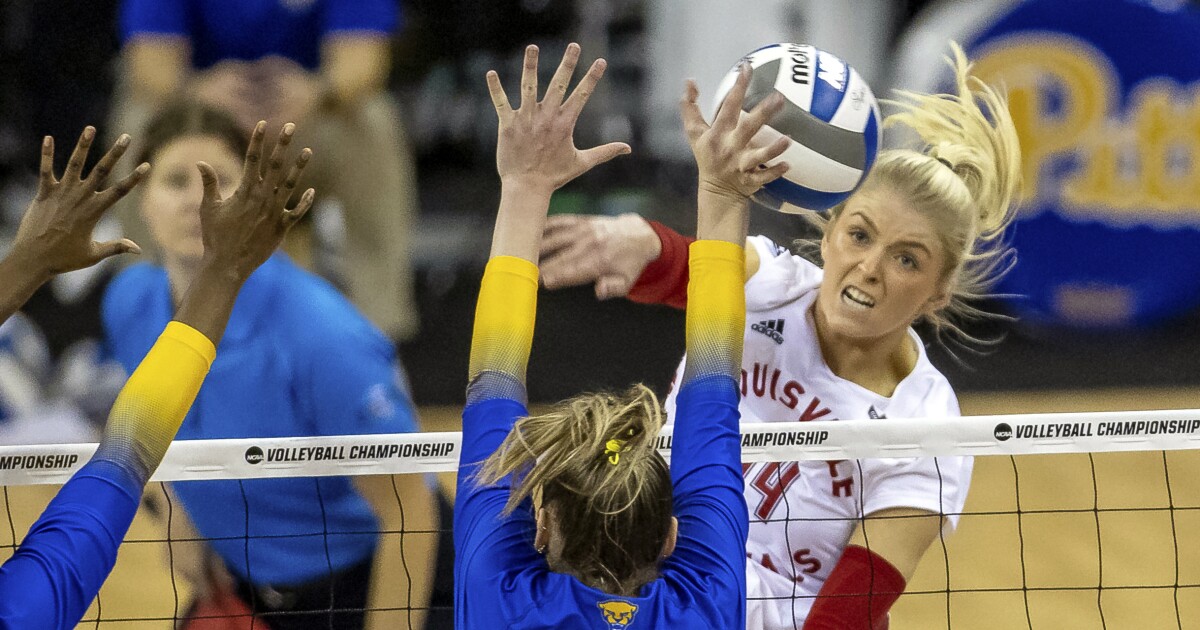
(617, 614)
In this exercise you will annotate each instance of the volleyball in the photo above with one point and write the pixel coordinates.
(829, 113)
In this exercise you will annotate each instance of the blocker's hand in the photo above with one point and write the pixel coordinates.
(55, 235)
(729, 165)
(610, 252)
(535, 147)
(241, 232)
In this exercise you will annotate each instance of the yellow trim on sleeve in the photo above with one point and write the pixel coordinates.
(193, 339)
(504, 317)
(716, 311)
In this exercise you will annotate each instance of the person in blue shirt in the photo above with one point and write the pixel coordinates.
(572, 519)
(323, 64)
(68, 553)
(297, 360)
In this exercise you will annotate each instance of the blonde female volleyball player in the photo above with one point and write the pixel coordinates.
(564, 520)
(921, 237)
(70, 550)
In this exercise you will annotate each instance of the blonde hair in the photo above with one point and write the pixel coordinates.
(595, 461)
(964, 175)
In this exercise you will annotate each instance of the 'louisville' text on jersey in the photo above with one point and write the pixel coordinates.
(764, 381)
(358, 451)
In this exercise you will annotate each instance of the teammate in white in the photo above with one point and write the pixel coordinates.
(833, 544)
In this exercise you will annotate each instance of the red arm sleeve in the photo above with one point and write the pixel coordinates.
(665, 281)
(858, 594)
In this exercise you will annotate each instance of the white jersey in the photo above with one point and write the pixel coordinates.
(803, 513)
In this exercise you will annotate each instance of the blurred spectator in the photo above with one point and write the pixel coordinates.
(320, 63)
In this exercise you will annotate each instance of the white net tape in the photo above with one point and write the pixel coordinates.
(1017, 434)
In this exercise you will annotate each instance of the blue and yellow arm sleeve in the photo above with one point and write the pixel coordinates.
(716, 310)
(68, 553)
(503, 333)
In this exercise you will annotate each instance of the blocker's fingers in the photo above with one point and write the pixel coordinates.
(761, 156)
(46, 179)
(693, 121)
(123, 187)
(731, 107)
(105, 166)
(499, 98)
(759, 116)
(250, 169)
(529, 81)
(290, 217)
(79, 155)
(100, 251)
(275, 162)
(768, 175)
(586, 87)
(596, 156)
(562, 76)
(289, 185)
(208, 179)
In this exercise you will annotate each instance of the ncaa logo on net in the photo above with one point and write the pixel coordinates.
(254, 455)
(1003, 431)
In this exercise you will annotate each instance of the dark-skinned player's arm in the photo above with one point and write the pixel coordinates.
(68, 553)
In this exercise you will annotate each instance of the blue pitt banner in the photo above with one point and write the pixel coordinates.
(1105, 95)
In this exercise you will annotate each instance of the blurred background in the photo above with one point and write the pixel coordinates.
(1101, 311)
(1105, 292)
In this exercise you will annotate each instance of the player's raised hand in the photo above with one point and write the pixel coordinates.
(536, 147)
(729, 164)
(610, 252)
(55, 235)
(241, 232)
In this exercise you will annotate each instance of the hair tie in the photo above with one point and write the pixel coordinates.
(612, 450)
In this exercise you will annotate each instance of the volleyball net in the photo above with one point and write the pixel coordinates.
(1086, 517)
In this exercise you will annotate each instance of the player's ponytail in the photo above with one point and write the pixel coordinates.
(595, 462)
(964, 174)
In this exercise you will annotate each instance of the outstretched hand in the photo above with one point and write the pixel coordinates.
(730, 165)
(241, 232)
(536, 147)
(610, 252)
(55, 235)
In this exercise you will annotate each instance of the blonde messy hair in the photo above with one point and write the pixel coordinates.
(964, 174)
(595, 462)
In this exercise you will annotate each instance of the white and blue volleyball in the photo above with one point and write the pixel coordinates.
(829, 113)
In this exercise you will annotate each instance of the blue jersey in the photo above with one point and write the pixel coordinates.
(296, 360)
(500, 579)
(252, 29)
(505, 583)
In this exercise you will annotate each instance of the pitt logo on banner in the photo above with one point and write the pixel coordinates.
(617, 614)
(1105, 96)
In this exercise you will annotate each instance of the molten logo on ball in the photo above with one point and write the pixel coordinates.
(833, 123)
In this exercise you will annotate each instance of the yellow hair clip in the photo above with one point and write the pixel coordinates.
(612, 449)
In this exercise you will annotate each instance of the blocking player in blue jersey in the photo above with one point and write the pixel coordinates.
(68, 553)
(572, 519)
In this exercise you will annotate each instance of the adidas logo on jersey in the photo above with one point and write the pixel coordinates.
(875, 415)
(772, 328)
